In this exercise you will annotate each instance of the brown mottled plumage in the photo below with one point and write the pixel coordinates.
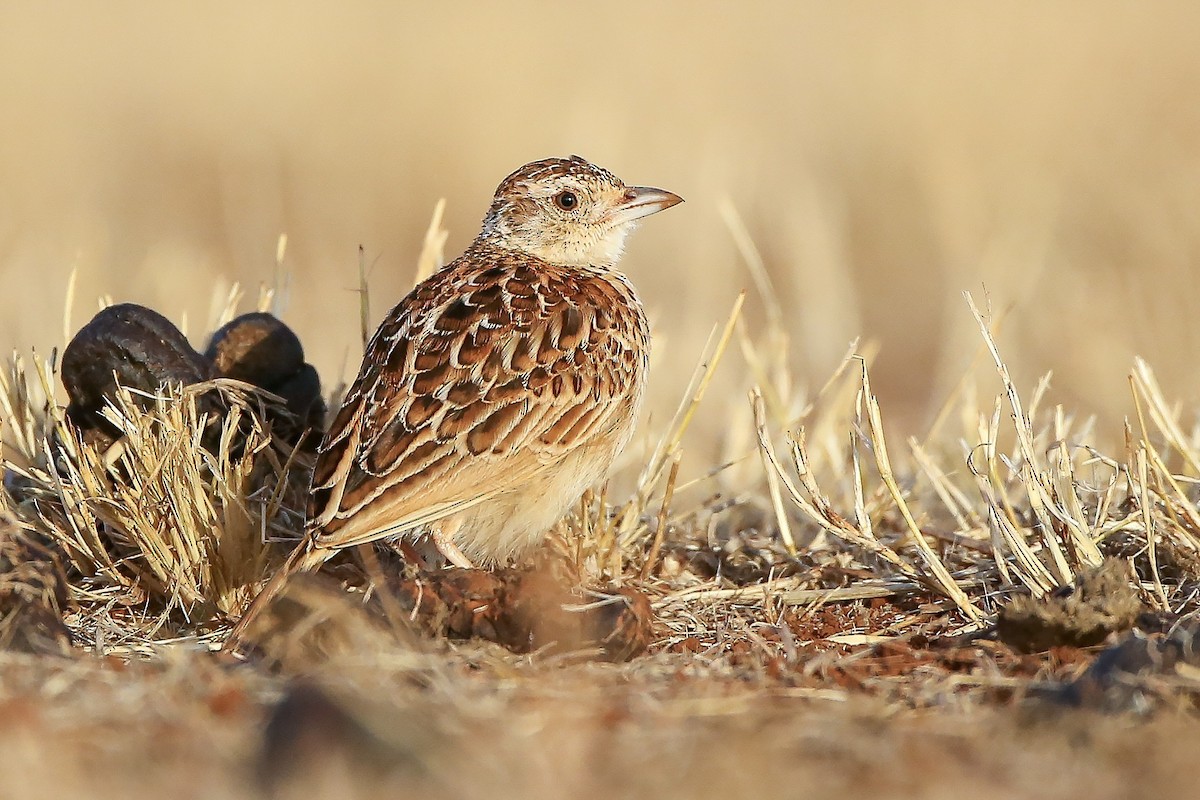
(500, 388)
(482, 382)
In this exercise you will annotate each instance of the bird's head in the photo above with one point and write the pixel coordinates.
(568, 211)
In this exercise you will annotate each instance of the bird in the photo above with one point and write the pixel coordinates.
(499, 390)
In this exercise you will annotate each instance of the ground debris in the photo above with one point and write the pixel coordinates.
(528, 609)
(523, 610)
(1100, 602)
(1138, 674)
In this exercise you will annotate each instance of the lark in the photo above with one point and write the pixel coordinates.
(500, 389)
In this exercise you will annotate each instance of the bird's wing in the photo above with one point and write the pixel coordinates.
(477, 381)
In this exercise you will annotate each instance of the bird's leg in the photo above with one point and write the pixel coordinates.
(411, 554)
(443, 539)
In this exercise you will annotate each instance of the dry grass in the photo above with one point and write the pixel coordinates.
(847, 468)
(847, 572)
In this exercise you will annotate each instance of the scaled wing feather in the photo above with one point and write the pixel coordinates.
(488, 372)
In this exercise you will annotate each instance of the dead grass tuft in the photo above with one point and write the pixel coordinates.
(172, 522)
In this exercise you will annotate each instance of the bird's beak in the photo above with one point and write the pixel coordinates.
(642, 201)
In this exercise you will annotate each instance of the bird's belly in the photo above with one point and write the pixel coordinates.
(513, 523)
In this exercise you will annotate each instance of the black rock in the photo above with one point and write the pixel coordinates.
(129, 345)
(256, 348)
(259, 349)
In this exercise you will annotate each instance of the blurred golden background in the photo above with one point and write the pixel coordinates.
(884, 157)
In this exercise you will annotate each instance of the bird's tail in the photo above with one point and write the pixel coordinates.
(306, 557)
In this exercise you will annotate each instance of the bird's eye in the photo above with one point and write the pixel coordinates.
(567, 201)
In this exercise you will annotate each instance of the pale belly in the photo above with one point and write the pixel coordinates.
(514, 523)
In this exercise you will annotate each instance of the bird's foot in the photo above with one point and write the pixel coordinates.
(449, 549)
